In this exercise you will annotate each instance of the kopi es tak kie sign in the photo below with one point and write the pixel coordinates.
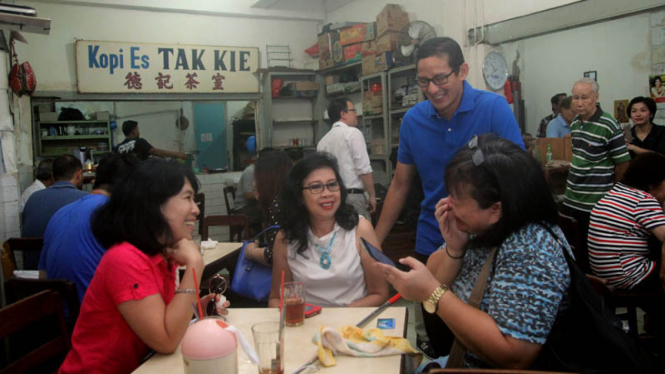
(119, 67)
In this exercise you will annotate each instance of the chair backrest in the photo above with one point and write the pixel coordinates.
(239, 222)
(229, 199)
(572, 232)
(24, 245)
(46, 307)
(200, 200)
(19, 289)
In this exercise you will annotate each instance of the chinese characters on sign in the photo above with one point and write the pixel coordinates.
(117, 67)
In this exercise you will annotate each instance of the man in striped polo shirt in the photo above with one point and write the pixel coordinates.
(600, 156)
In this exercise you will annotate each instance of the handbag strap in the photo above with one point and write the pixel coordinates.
(273, 227)
(458, 349)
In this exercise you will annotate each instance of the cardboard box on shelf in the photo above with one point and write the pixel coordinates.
(332, 79)
(326, 44)
(376, 99)
(325, 64)
(368, 64)
(353, 53)
(383, 61)
(369, 48)
(391, 18)
(387, 42)
(306, 88)
(359, 33)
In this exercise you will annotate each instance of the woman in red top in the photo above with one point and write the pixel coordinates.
(131, 305)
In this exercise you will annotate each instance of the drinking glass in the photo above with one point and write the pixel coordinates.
(269, 347)
(294, 302)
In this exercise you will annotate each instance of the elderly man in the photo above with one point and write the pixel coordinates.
(560, 126)
(600, 156)
(347, 144)
(556, 107)
(43, 179)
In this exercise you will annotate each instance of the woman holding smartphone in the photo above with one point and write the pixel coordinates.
(500, 211)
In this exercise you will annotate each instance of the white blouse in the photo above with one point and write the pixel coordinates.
(332, 277)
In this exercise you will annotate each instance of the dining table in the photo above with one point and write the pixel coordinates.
(298, 346)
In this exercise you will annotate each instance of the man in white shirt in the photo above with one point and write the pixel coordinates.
(347, 144)
(44, 179)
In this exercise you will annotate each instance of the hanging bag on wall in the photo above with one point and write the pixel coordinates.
(22, 78)
(252, 279)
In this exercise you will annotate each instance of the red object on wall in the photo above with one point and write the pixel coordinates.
(277, 84)
(22, 78)
(508, 92)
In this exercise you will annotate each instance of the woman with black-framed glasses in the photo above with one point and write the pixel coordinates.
(319, 244)
(500, 214)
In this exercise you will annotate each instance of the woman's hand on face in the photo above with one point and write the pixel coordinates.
(415, 285)
(455, 239)
(185, 252)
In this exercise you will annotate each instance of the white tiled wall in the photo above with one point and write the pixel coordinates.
(9, 195)
(212, 185)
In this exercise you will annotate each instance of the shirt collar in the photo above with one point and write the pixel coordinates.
(39, 184)
(63, 184)
(340, 124)
(465, 105)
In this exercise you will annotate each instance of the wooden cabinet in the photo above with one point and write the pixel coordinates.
(55, 138)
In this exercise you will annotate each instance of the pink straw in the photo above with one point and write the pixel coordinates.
(198, 298)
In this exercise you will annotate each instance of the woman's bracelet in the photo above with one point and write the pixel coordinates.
(454, 257)
(186, 290)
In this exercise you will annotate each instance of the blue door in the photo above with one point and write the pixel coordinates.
(210, 135)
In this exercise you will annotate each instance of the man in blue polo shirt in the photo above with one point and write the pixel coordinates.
(42, 205)
(433, 130)
(71, 251)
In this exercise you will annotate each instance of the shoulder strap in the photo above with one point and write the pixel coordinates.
(458, 349)
(273, 227)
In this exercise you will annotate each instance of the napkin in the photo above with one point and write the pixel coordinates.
(353, 341)
(209, 244)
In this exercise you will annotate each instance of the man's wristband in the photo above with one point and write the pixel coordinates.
(186, 290)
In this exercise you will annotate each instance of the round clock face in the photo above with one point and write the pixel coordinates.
(495, 70)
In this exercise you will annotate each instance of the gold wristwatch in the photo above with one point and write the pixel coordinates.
(430, 304)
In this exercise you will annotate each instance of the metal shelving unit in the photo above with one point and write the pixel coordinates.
(54, 145)
(376, 130)
(398, 77)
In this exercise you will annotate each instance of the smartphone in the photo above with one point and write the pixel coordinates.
(628, 135)
(376, 253)
(311, 310)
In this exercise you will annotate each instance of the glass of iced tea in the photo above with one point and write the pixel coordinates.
(269, 347)
(294, 301)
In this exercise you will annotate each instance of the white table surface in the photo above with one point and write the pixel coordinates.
(298, 346)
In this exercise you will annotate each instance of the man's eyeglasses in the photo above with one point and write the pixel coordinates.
(438, 80)
(351, 110)
(317, 188)
(478, 157)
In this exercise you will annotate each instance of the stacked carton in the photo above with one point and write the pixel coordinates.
(389, 23)
(354, 38)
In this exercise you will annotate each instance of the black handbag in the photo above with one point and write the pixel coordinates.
(587, 336)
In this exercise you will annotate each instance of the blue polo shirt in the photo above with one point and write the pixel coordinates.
(429, 141)
(558, 128)
(39, 209)
(71, 251)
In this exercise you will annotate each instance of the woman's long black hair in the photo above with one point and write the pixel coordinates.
(134, 215)
(295, 219)
(507, 174)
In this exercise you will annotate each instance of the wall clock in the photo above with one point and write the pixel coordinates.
(495, 70)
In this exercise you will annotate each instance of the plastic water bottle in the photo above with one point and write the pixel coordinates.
(549, 153)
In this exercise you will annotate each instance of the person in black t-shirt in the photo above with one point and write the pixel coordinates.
(646, 135)
(133, 143)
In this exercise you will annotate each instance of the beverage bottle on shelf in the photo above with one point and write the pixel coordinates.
(549, 153)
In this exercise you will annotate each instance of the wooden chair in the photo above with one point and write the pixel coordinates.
(200, 200)
(44, 307)
(24, 245)
(571, 230)
(239, 222)
(18, 289)
(229, 199)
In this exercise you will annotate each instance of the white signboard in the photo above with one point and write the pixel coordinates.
(121, 67)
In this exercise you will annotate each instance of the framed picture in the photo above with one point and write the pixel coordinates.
(591, 74)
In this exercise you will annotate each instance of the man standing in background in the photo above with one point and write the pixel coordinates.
(43, 179)
(133, 143)
(559, 127)
(347, 144)
(556, 105)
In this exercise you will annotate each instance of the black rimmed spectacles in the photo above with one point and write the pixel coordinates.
(354, 110)
(317, 188)
(478, 157)
(438, 80)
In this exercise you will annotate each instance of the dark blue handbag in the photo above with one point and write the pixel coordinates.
(252, 279)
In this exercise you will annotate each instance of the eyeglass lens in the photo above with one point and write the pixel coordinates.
(318, 188)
